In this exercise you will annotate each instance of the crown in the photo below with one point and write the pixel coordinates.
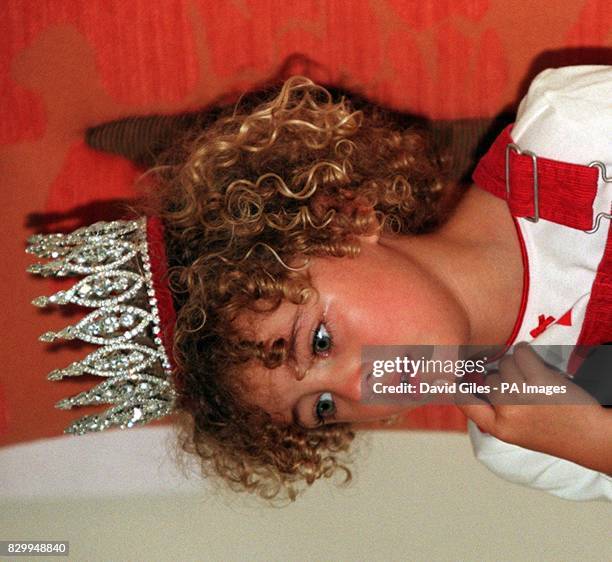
(123, 264)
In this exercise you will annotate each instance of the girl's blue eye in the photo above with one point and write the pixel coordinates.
(321, 340)
(325, 407)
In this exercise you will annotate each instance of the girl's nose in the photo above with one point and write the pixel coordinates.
(298, 373)
(341, 376)
(347, 377)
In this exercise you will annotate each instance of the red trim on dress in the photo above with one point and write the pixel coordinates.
(597, 325)
(525, 289)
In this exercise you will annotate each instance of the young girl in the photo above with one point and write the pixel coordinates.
(300, 231)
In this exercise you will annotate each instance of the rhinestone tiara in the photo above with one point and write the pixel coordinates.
(123, 265)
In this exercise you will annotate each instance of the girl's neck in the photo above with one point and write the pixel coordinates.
(476, 254)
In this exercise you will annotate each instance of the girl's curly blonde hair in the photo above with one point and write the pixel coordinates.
(299, 175)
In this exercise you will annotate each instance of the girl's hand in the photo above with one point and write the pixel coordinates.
(571, 426)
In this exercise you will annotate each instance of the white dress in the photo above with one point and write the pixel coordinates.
(566, 116)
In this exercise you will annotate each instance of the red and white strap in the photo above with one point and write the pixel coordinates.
(561, 192)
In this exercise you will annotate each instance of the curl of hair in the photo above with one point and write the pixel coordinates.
(300, 175)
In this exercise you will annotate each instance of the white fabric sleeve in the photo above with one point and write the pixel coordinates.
(557, 476)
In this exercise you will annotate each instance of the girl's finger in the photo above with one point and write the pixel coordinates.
(478, 409)
(482, 415)
(533, 368)
(510, 371)
(495, 396)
